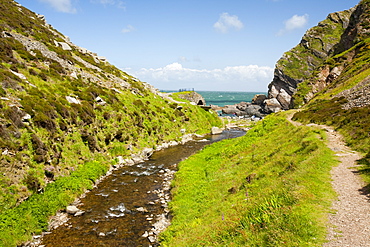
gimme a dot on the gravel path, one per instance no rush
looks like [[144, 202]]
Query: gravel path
[[350, 220]]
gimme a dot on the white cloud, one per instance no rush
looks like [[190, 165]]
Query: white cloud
[[236, 78], [61, 5], [128, 29], [295, 22], [227, 22]]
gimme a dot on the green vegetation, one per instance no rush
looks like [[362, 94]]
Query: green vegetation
[[353, 124], [328, 109], [268, 188], [52, 150], [62, 137], [315, 48], [31, 217]]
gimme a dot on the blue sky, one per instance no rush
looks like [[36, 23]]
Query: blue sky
[[223, 45]]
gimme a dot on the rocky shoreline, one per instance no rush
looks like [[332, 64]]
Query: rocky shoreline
[[259, 107]]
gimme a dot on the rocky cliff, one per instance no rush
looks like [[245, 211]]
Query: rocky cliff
[[337, 92], [65, 111], [324, 52]]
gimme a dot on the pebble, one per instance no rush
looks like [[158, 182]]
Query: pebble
[[152, 239], [145, 235], [142, 209], [79, 213]]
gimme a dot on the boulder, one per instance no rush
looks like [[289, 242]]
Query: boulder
[[230, 109], [284, 99], [186, 138], [253, 110], [147, 152], [73, 100], [216, 131], [120, 160], [72, 210], [173, 143], [23, 77], [137, 158], [258, 99], [100, 101], [193, 97], [272, 105], [242, 106], [65, 46]]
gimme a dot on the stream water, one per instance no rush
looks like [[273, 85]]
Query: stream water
[[123, 208]]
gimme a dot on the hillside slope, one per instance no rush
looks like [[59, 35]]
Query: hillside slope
[[333, 88], [236, 193], [328, 55], [64, 110], [343, 100]]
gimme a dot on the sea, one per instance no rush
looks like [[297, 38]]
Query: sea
[[222, 98]]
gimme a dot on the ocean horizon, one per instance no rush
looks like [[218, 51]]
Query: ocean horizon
[[222, 98]]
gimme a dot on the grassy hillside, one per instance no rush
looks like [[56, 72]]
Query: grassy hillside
[[268, 188], [344, 103], [272, 186], [65, 117], [336, 91]]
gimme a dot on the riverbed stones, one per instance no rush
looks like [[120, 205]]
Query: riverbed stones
[[79, 213], [216, 131], [72, 209], [186, 138], [142, 209], [145, 235], [146, 153]]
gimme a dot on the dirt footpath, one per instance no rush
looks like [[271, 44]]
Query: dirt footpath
[[350, 220]]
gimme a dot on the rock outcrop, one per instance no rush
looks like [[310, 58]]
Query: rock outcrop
[[193, 97], [317, 45], [244, 109]]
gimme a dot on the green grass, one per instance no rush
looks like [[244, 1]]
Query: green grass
[[31, 217], [268, 188], [353, 124], [61, 138]]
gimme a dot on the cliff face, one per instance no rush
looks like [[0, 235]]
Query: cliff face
[[62, 107], [318, 61]]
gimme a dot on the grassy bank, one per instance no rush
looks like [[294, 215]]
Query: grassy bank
[[268, 188], [64, 118], [76, 146], [31, 217], [353, 124]]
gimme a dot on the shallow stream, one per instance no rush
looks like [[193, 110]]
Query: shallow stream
[[123, 208]]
